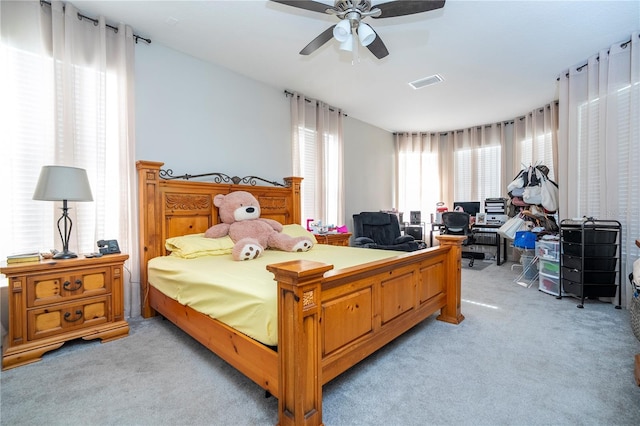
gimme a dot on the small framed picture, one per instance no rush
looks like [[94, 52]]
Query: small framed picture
[[481, 219]]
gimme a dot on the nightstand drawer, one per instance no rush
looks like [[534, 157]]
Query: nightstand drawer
[[52, 320], [56, 288]]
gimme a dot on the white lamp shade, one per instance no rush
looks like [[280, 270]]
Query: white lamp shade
[[59, 183], [366, 34], [347, 44], [342, 30]]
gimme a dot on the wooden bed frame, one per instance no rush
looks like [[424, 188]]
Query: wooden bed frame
[[328, 320]]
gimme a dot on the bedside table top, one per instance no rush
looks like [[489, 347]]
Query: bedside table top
[[50, 264]]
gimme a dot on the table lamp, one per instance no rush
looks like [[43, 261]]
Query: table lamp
[[61, 183]]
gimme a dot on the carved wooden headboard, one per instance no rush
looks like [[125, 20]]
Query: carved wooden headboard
[[173, 207]]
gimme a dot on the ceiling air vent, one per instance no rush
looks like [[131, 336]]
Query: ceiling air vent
[[427, 81]]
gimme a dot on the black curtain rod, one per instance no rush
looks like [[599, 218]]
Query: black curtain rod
[[445, 133], [622, 45], [501, 123], [288, 93], [136, 37]]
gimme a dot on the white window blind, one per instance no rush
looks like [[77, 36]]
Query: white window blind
[[477, 173], [27, 135], [331, 178], [309, 163], [588, 172], [320, 176], [535, 151]]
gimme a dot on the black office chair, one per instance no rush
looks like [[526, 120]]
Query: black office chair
[[380, 230], [459, 223]]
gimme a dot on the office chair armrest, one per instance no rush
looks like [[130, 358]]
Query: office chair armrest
[[403, 239], [361, 241]]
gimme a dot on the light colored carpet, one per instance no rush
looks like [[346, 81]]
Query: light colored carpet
[[521, 357], [478, 264]]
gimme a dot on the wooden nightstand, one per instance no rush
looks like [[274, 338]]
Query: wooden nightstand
[[54, 301], [333, 239]]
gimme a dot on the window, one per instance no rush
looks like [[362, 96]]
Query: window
[[28, 113], [308, 170], [317, 158], [477, 173], [332, 173], [591, 172], [539, 148], [534, 137], [418, 181], [26, 122]]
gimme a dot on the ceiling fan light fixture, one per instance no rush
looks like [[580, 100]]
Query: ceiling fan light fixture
[[366, 34], [342, 30], [347, 44], [351, 12]]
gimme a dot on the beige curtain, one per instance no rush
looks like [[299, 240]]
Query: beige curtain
[[317, 145], [599, 142], [474, 163], [86, 93], [536, 139], [419, 186]]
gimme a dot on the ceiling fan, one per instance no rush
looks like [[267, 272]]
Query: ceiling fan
[[351, 27]]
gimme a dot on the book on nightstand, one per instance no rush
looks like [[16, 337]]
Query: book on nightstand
[[24, 257]]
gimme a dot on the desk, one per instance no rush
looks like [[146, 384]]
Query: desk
[[488, 237]]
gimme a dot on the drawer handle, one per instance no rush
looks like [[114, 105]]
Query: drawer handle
[[68, 314], [67, 285]]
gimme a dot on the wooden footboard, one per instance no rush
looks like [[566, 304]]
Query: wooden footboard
[[331, 320], [328, 320]]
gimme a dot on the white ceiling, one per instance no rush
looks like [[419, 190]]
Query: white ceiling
[[499, 59]]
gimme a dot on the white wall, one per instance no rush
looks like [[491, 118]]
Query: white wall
[[369, 168], [197, 117]]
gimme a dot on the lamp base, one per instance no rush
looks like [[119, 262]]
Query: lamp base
[[65, 255]]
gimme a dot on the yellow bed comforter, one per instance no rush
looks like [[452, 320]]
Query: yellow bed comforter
[[242, 294]]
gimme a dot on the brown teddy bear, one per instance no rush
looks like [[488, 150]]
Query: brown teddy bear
[[240, 215]]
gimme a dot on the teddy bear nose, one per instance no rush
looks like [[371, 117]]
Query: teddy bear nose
[[250, 209]]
